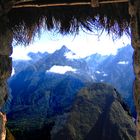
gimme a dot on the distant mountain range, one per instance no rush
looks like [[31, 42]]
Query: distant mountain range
[[39, 93], [116, 70]]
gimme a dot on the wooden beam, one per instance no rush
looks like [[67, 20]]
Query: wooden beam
[[50, 5], [113, 1], [24, 4]]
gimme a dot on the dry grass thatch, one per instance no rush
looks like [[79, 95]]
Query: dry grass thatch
[[27, 22]]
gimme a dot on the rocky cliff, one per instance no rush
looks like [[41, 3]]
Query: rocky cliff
[[97, 113], [6, 38]]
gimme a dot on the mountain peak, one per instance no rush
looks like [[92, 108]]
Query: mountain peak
[[64, 49]]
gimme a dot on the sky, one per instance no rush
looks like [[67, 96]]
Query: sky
[[83, 44]]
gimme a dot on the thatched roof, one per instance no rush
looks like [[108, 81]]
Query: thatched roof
[[25, 22]]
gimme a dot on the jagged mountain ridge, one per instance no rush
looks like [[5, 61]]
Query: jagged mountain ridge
[[46, 61], [43, 88], [95, 68], [118, 71], [97, 113], [40, 100], [36, 91]]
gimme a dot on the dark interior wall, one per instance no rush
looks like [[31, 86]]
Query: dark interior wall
[[134, 10], [6, 38]]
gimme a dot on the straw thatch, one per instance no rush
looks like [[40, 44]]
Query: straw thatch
[[27, 22]]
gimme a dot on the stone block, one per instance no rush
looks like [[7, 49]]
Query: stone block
[[5, 67]]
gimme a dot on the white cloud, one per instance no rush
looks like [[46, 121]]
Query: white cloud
[[71, 55], [123, 62], [13, 72], [93, 78], [21, 53], [82, 45], [61, 69], [98, 72], [105, 74]]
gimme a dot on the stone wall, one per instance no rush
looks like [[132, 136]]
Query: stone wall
[[6, 61], [134, 10], [2, 126], [5, 68]]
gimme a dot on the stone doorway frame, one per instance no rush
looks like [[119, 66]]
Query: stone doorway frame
[[6, 61]]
